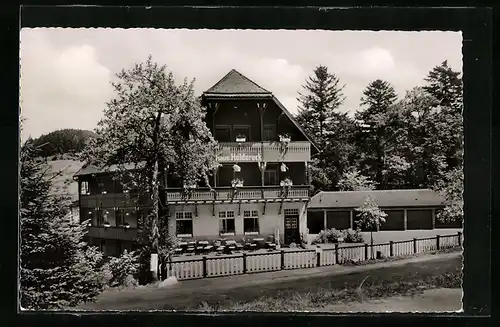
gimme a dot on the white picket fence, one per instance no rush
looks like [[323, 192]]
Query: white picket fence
[[299, 259]]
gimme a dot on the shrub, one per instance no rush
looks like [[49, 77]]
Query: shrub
[[329, 236], [121, 270], [353, 236]]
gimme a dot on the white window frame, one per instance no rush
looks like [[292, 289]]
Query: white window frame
[[224, 216], [251, 214], [184, 215], [84, 185]]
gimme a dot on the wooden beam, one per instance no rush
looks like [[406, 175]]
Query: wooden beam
[[264, 211]]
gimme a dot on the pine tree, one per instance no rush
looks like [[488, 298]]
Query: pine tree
[[157, 127], [375, 120], [445, 85], [58, 269], [321, 97]]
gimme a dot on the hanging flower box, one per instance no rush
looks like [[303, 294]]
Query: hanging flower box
[[237, 183], [241, 138], [285, 138], [236, 168], [106, 224], [283, 167], [190, 185], [287, 182]]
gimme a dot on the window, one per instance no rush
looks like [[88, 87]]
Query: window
[[184, 223], [395, 220], [119, 248], [120, 219], [270, 177], [84, 188], [241, 130], [101, 216], [269, 133], [223, 133], [226, 219], [419, 219], [338, 219], [315, 221], [251, 221], [102, 245]]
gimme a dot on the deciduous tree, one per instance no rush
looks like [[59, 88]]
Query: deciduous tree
[[370, 217], [154, 128]]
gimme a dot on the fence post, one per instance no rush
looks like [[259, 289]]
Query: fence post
[[318, 259], [244, 263], [460, 239], [204, 267], [336, 253], [391, 248], [366, 251], [414, 245], [282, 259], [437, 242]]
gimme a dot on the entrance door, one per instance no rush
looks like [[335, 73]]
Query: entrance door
[[292, 234]]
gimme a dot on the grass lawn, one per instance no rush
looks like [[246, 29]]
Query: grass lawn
[[318, 289]]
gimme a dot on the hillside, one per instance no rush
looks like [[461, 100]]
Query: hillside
[[63, 141], [64, 184]]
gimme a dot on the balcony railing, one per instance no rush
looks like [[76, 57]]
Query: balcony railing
[[243, 193], [264, 151], [112, 233]]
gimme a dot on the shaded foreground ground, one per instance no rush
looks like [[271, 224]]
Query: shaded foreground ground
[[306, 289]]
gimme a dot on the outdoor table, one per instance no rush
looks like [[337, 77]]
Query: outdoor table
[[208, 248], [204, 243], [178, 251], [239, 247], [220, 249], [199, 249], [253, 246], [272, 246], [183, 245]]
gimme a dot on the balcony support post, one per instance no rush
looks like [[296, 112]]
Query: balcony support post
[[264, 211], [281, 206], [215, 107], [213, 209], [239, 208]]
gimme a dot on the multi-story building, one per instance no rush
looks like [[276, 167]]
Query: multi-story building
[[261, 186]]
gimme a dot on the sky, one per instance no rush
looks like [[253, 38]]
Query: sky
[[66, 73]]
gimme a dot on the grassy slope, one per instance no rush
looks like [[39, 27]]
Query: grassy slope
[[64, 182]]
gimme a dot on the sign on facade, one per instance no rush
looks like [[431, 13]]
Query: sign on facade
[[239, 157]]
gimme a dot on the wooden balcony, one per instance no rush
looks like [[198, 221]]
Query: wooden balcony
[[244, 194], [110, 200], [112, 233], [264, 151]]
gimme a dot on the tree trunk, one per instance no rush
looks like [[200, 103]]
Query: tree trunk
[[371, 244], [156, 212]]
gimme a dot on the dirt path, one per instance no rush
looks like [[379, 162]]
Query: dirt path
[[189, 294]]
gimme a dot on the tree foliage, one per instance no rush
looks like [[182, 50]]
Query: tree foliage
[[63, 141], [153, 128], [370, 217], [354, 181], [58, 269]]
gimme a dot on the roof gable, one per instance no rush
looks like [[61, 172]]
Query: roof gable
[[383, 198], [236, 83]]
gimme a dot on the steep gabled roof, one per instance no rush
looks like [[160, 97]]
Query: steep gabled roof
[[383, 198], [235, 83]]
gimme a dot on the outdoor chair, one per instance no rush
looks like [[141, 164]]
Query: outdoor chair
[[253, 247], [183, 246], [199, 249], [178, 251], [239, 247], [190, 250], [272, 247]]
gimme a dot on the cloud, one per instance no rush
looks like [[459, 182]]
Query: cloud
[[60, 88], [375, 61]]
